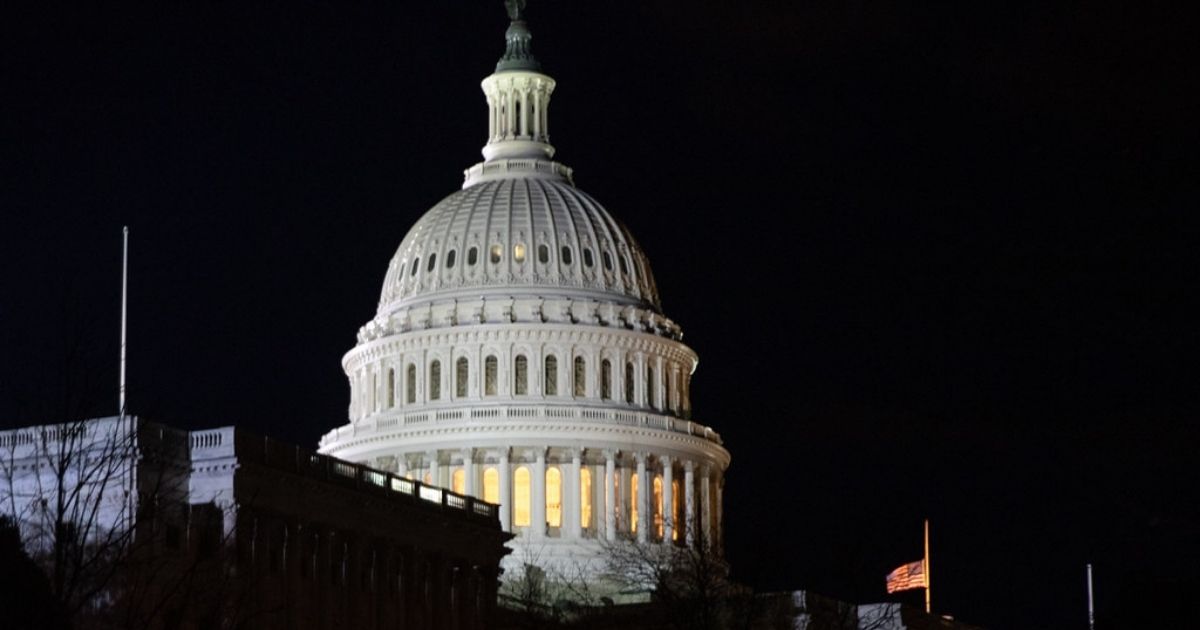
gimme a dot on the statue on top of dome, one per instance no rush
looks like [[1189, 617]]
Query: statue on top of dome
[[514, 8]]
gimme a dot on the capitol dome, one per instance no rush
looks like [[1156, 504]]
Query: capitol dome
[[517, 230], [520, 355]]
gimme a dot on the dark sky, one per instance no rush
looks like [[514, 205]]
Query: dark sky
[[936, 261]]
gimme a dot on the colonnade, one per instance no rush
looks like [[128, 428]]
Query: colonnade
[[584, 493]]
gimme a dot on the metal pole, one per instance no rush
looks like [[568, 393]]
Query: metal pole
[[124, 298], [1091, 606], [928, 582]]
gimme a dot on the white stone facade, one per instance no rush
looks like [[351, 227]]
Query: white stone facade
[[520, 354]]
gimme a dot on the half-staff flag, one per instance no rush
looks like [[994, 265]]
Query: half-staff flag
[[907, 576]]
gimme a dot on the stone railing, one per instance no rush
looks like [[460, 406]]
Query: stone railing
[[252, 449], [537, 413]]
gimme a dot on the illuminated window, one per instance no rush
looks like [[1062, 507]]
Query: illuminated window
[[416, 265], [489, 375], [521, 375], [428, 479], [606, 379], [580, 377], [450, 255], [521, 497], [675, 503], [656, 499], [391, 388], [585, 497], [519, 252], [587, 257], [607, 260], [551, 384], [410, 384], [649, 386], [497, 251], [472, 256], [633, 502], [553, 497], [432, 262], [491, 485], [435, 380], [566, 255], [458, 483], [543, 254], [629, 382], [462, 372]]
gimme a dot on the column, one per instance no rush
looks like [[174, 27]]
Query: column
[[537, 525], [689, 501], [505, 492], [645, 518], [706, 506], [573, 517], [610, 497], [431, 468], [719, 534], [469, 471], [668, 477], [525, 113], [537, 114]]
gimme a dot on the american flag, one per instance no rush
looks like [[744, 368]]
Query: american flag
[[907, 576]]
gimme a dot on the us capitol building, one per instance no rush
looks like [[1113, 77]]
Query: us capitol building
[[520, 354]]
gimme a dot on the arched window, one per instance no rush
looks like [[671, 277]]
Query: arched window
[[620, 259], [432, 262], [519, 252], [629, 382], [491, 485], [580, 377], [462, 372], [458, 483], [521, 375], [553, 497], [607, 259], [657, 506], [496, 252], [521, 497], [472, 256], [633, 502], [410, 384], [585, 497], [650, 387], [391, 388], [587, 257], [566, 255], [435, 380], [606, 379], [489, 375], [551, 381], [450, 255], [416, 265], [676, 499], [543, 254]]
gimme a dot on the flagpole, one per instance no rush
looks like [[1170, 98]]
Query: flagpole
[[1091, 607], [124, 300], [928, 582]]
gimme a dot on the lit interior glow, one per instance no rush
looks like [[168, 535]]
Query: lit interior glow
[[585, 497], [553, 497], [459, 482], [491, 485], [521, 497], [519, 252], [633, 502]]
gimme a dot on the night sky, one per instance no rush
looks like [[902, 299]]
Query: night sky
[[936, 262]]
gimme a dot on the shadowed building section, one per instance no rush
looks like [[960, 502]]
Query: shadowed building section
[[219, 527]]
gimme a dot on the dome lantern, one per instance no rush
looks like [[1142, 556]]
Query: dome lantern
[[518, 97]]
